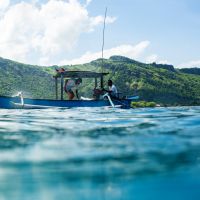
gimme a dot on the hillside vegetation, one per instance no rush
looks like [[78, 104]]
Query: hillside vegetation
[[34, 81], [155, 82]]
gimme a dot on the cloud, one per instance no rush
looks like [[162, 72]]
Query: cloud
[[195, 63], [163, 62], [88, 2], [4, 4], [131, 51], [40, 34], [100, 19], [155, 58], [152, 58]]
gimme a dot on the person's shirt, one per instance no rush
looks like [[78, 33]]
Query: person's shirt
[[71, 83], [113, 90]]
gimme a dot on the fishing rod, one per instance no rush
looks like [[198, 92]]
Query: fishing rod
[[104, 27]]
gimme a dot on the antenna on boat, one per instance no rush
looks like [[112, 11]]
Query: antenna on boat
[[104, 26]]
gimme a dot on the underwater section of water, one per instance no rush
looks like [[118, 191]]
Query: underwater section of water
[[100, 153]]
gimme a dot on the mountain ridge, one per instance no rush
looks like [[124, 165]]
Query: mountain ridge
[[163, 84]]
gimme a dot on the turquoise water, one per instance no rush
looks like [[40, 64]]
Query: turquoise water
[[100, 153]]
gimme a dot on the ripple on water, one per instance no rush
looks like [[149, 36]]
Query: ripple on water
[[99, 144]]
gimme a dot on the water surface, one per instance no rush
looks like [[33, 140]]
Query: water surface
[[100, 153]]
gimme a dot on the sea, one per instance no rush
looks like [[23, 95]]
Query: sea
[[100, 153]]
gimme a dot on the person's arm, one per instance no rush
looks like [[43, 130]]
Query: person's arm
[[65, 86], [77, 95], [106, 90]]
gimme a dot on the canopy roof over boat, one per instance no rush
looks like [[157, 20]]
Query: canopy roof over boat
[[76, 74], [79, 74]]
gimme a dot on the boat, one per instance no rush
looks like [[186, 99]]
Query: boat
[[19, 102]]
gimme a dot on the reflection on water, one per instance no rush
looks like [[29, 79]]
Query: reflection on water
[[100, 153]]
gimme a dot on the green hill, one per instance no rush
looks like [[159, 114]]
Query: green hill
[[34, 81], [155, 82], [191, 70]]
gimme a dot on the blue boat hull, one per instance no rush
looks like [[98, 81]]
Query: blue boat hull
[[15, 102]]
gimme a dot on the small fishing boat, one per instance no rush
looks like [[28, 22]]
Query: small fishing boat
[[19, 102]]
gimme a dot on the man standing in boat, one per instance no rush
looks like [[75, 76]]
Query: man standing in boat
[[71, 84]]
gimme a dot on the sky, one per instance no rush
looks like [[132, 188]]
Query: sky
[[60, 32]]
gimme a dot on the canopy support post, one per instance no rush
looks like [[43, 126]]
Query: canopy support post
[[56, 87], [62, 85], [95, 83], [101, 82]]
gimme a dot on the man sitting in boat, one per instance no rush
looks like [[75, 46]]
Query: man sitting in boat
[[71, 84], [112, 90]]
